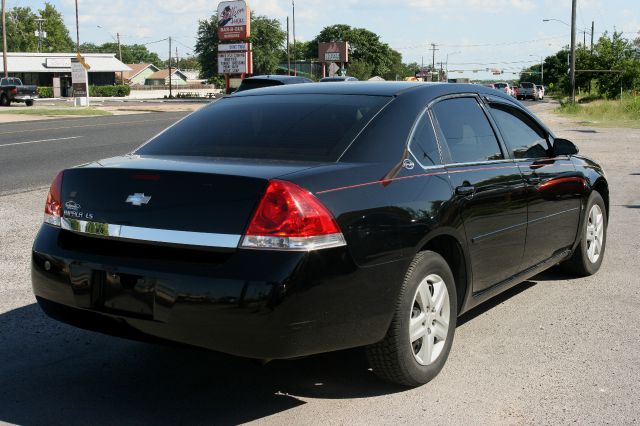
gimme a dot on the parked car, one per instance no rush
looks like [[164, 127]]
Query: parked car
[[503, 87], [308, 218], [259, 81], [527, 91], [12, 90], [540, 90], [338, 78]]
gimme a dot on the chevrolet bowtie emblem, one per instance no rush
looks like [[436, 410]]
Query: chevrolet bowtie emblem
[[138, 199]]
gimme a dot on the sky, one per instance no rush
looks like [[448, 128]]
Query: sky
[[470, 35]]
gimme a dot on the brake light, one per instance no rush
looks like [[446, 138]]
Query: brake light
[[291, 218], [14, 91], [53, 206]]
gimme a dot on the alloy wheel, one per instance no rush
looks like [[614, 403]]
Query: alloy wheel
[[595, 233], [429, 321]]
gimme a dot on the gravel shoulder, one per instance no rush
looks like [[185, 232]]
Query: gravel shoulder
[[553, 350]]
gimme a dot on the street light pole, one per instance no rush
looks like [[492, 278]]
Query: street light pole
[[572, 69], [295, 65]]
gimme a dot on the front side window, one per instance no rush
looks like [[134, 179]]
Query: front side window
[[466, 131], [423, 142], [523, 138]]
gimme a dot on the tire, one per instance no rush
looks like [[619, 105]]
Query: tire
[[584, 261], [29, 103], [4, 101], [396, 358]]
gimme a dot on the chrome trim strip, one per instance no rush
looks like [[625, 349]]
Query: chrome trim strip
[[125, 232]]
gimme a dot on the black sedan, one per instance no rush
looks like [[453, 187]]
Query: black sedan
[[289, 221]]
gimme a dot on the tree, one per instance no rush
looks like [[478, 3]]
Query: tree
[[131, 53], [57, 39], [207, 48], [360, 69], [267, 38], [618, 54], [364, 46], [21, 28]]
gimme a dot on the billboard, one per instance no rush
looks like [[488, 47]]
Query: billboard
[[234, 63], [337, 51], [234, 20]]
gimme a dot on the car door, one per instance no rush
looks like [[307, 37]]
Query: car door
[[554, 188], [489, 190]]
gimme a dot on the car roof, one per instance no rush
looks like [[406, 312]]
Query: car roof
[[370, 88], [285, 79]]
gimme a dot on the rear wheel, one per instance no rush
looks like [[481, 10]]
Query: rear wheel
[[29, 103], [4, 101], [421, 333], [588, 256]]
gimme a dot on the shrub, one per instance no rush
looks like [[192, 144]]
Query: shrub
[[45, 92], [110, 91]]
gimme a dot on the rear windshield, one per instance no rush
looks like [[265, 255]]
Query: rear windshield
[[285, 127], [500, 85], [526, 85], [256, 84]]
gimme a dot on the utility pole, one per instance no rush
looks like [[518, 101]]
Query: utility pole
[[295, 64], [572, 69], [592, 24], [288, 52], [120, 55], [433, 59], [177, 59], [77, 29], [170, 82], [4, 40], [542, 71]]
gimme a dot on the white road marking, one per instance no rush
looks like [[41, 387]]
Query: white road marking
[[41, 140]]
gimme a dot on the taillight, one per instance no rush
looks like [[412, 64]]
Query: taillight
[[14, 91], [291, 218], [53, 206]]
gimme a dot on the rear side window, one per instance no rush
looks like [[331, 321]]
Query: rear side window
[[286, 127], [467, 131], [523, 137], [423, 143]]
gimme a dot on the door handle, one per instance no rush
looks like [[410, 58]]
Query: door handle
[[465, 190], [533, 180]]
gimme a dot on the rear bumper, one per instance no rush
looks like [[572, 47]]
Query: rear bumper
[[257, 304], [22, 98]]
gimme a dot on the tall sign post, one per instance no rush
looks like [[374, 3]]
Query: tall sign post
[[234, 25], [80, 80], [333, 53]]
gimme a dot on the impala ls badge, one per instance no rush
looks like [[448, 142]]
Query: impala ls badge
[[138, 199]]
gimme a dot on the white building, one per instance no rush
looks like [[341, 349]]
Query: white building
[[54, 69]]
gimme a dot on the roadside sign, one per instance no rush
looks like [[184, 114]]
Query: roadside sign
[[337, 51], [333, 69], [234, 63], [234, 20], [234, 47], [79, 82], [81, 59]]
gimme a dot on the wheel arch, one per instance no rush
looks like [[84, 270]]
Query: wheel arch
[[602, 187], [454, 253]]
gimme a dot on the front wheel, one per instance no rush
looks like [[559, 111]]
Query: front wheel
[[588, 255], [420, 336]]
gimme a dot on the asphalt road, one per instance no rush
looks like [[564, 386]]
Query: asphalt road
[[31, 153], [553, 350]]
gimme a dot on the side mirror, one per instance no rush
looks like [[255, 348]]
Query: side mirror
[[564, 147]]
